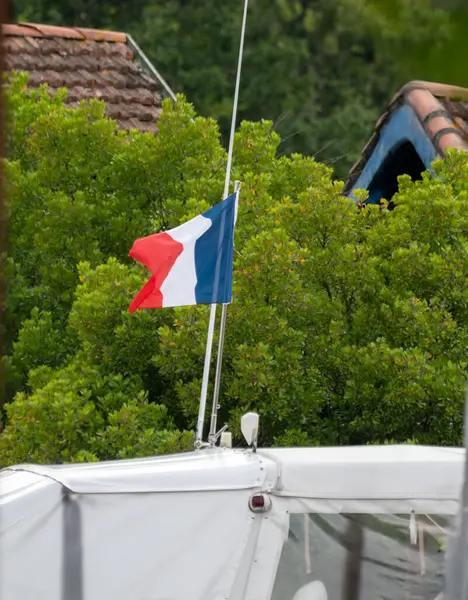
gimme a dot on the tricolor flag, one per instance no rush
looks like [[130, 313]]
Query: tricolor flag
[[191, 264]]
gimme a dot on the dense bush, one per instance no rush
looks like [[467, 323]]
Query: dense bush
[[348, 325]]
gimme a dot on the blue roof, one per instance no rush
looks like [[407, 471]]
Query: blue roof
[[404, 126], [421, 122]]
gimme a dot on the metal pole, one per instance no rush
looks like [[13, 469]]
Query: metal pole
[[219, 366], [206, 376], [211, 324], [464, 516], [236, 100], [455, 571]]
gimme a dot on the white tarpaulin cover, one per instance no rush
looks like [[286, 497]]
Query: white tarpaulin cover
[[178, 527], [155, 529], [371, 472]]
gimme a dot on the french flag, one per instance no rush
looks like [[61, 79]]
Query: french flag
[[191, 264]]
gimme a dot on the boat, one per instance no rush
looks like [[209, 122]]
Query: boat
[[341, 523]]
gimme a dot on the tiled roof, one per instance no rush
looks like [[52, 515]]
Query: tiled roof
[[441, 109], [105, 65]]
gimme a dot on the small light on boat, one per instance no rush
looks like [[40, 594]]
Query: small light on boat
[[260, 503]]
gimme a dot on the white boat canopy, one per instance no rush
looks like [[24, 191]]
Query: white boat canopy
[[366, 472], [276, 524]]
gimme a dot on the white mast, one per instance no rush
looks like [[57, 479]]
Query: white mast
[[213, 435], [212, 321], [456, 573]]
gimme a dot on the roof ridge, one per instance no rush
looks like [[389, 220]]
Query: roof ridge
[[441, 90], [55, 31]]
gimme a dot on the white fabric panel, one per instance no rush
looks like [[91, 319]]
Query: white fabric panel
[[163, 546], [192, 471], [30, 539], [356, 473], [14, 484], [367, 472], [178, 288], [273, 534], [441, 506]]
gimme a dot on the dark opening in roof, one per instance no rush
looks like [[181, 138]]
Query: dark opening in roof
[[400, 161], [438, 111]]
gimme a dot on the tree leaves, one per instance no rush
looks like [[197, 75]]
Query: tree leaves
[[349, 324]]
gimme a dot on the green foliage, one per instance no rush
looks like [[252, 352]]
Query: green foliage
[[83, 13], [321, 71], [78, 414], [348, 325], [80, 192]]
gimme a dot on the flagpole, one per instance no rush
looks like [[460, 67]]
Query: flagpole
[[456, 576], [212, 321], [219, 365]]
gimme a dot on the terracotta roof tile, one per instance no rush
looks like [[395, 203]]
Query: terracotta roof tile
[[52, 31], [55, 31], [100, 36], [19, 29], [442, 110], [148, 126], [90, 64]]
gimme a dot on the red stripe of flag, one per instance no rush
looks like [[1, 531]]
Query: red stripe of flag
[[158, 252]]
